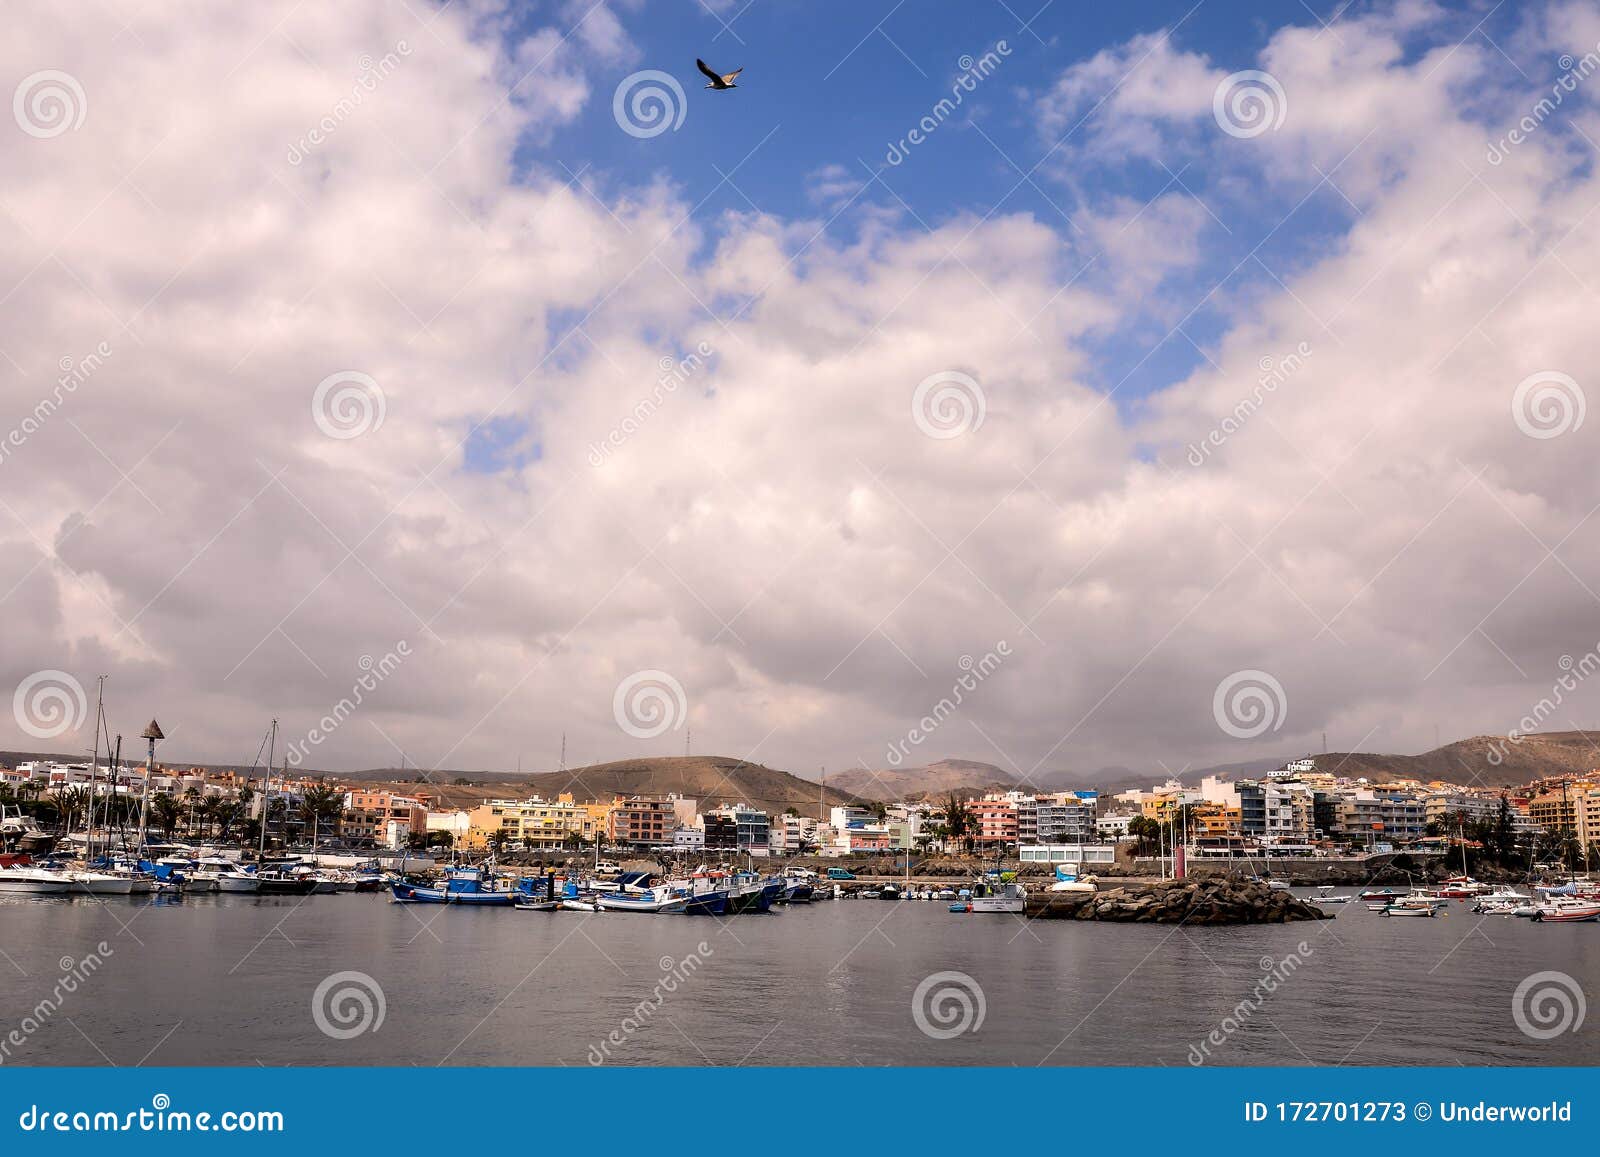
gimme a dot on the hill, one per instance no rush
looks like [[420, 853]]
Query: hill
[[947, 775], [1486, 760], [712, 780]]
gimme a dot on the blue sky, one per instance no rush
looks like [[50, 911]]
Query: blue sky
[[891, 64]]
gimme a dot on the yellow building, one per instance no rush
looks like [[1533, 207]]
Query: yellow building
[[1160, 807], [1213, 819], [536, 824]]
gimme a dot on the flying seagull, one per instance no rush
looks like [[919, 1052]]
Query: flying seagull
[[718, 80]]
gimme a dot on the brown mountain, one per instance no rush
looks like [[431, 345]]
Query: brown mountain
[[712, 780], [1483, 760], [963, 776]]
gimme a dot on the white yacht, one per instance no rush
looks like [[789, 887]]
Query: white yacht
[[31, 881], [216, 874]]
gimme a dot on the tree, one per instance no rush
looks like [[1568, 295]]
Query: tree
[[166, 811], [1147, 831], [227, 815], [71, 802], [958, 821], [323, 806]]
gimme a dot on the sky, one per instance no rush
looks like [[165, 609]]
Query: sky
[[1058, 386]]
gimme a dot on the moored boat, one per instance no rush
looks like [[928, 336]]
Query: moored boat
[[1009, 897], [1567, 911], [472, 887], [660, 898], [1411, 906], [31, 881]]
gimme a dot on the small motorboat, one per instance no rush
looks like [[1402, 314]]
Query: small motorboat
[[1068, 880], [658, 899], [583, 904], [1411, 906], [529, 904], [285, 884], [1387, 895], [1567, 911]]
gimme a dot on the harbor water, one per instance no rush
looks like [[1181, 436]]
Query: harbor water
[[353, 979]]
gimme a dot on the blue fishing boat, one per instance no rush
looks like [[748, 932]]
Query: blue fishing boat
[[705, 894], [470, 886], [661, 898], [750, 893], [713, 903]]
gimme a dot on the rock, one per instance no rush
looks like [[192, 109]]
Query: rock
[[1212, 900]]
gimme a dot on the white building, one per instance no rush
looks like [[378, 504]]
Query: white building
[[689, 839]]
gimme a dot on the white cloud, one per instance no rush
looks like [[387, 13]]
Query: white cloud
[[776, 532]]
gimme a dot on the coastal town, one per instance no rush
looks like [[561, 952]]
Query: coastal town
[[1298, 811]]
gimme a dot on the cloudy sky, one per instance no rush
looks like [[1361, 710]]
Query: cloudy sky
[[1170, 385]]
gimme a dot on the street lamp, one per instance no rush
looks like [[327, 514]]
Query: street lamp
[[151, 734]]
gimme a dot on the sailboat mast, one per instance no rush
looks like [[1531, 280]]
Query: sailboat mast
[[266, 790], [94, 766]]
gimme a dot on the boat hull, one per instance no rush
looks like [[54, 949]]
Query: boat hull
[[707, 904], [412, 894], [109, 886], [286, 887], [640, 904], [1011, 904], [1573, 915], [30, 886]]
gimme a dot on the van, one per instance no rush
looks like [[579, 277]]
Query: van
[[840, 874]]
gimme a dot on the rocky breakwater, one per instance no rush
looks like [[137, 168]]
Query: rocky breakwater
[[1209, 900]]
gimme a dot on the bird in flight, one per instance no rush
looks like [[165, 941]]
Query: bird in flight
[[718, 80]]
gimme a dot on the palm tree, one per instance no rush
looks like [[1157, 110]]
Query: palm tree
[[166, 811], [191, 797], [323, 806], [70, 802]]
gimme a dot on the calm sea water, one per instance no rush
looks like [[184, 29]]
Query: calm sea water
[[235, 981]]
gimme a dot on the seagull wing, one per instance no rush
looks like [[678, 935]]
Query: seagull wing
[[727, 77], [705, 68]]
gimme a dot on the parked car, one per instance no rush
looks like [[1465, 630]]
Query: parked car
[[840, 874]]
